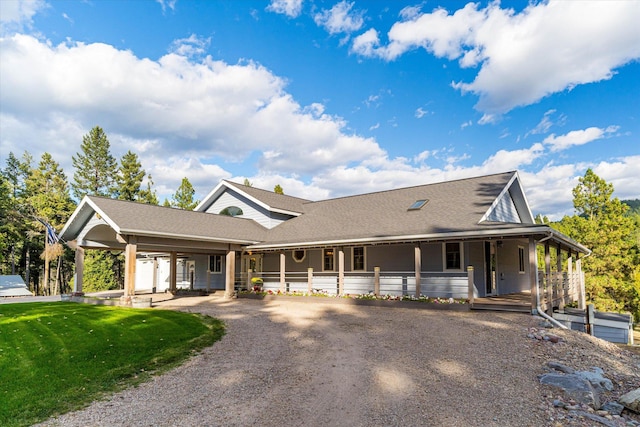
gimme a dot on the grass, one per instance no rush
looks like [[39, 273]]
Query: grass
[[57, 357]]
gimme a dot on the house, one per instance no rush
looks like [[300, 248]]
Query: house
[[472, 237]]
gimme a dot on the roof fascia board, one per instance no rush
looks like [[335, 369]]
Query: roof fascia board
[[501, 232], [504, 191], [213, 194], [260, 202], [186, 237], [104, 216], [524, 198], [85, 204]]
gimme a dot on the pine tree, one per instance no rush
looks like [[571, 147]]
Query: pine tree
[[183, 198], [149, 195], [49, 199], [130, 176], [96, 168], [278, 189], [602, 226]]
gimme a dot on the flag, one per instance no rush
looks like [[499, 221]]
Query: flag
[[52, 236]]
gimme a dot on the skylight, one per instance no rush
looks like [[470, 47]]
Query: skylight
[[418, 204]]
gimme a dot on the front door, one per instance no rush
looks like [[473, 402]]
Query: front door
[[491, 261]]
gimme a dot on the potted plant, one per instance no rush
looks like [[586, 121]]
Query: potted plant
[[256, 282]]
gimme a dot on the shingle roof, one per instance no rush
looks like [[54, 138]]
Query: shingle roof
[[143, 219], [452, 206], [273, 200]]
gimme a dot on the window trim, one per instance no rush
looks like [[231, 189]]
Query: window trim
[[444, 256], [333, 262], [209, 265], [522, 264], [293, 255], [364, 258]]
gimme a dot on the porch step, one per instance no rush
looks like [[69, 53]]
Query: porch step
[[519, 308]]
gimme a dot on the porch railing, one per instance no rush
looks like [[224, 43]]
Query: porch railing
[[559, 289], [396, 283]]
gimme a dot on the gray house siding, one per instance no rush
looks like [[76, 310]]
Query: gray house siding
[[510, 279], [250, 209]]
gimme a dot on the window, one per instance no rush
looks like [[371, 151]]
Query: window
[[521, 263], [418, 204], [299, 255], [215, 263], [231, 211], [328, 259], [453, 256], [358, 263]]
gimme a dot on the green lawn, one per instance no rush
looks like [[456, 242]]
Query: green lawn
[[56, 357]]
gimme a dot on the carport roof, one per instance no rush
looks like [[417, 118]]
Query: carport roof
[[139, 219]]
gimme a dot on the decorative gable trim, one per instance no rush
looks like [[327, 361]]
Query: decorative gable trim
[[511, 205]]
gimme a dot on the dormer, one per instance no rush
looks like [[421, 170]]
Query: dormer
[[265, 207]]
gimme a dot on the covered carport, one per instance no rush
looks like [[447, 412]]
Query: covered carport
[[115, 225]]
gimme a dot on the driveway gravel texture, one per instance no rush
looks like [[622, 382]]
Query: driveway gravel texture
[[296, 363]]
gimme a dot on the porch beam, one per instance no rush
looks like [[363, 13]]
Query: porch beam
[[230, 269], [79, 273], [418, 267], [130, 267]]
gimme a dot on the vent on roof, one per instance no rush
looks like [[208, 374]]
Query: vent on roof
[[418, 204]]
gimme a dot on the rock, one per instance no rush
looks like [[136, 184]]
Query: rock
[[561, 368], [613, 408], [554, 338], [559, 403], [596, 379], [574, 386], [597, 418], [631, 400]]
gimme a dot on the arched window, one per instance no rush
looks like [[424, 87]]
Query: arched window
[[231, 211]]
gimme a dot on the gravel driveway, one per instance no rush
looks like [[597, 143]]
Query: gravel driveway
[[293, 363]]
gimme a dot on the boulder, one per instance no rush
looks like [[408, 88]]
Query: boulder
[[631, 400], [574, 386]]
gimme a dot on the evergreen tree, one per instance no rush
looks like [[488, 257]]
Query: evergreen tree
[[149, 195], [130, 176], [278, 189], [602, 226], [100, 268], [247, 182], [96, 168], [14, 224], [49, 199], [183, 198]]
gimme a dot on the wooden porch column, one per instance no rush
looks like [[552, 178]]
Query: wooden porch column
[[376, 281], [471, 288], [283, 268], [154, 288], [582, 303], [249, 277], [173, 270], [418, 268], [77, 276], [533, 273], [309, 279], [230, 270], [562, 288], [130, 267], [340, 271], [549, 282]]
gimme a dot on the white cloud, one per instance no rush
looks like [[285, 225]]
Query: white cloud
[[340, 18], [16, 14], [171, 4], [52, 95], [420, 112], [291, 8], [549, 47], [578, 137], [191, 47]]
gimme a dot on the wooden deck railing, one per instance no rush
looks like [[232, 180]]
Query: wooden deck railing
[[559, 289]]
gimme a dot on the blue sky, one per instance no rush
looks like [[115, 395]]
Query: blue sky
[[330, 98]]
